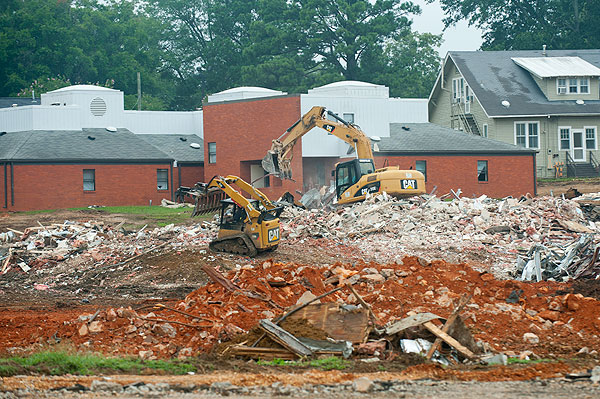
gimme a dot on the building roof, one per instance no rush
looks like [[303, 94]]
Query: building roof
[[83, 88], [7, 102], [431, 138], [552, 67], [178, 146], [494, 77], [87, 145]]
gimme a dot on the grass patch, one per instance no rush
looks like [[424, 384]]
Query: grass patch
[[516, 360], [59, 363], [568, 179], [328, 363]]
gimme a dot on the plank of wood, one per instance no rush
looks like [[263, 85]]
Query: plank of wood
[[7, 261], [219, 278], [410, 321], [438, 341], [448, 339], [15, 231], [284, 338], [362, 302]]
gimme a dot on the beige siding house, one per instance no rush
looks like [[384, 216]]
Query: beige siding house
[[548, 101]]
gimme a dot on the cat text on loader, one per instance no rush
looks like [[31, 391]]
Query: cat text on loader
[[246, 225], [353, 179]]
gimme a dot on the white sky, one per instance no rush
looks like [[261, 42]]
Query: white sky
[[456, 38]]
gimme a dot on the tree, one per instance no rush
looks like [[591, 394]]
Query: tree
[[529, 24], [341, 32]]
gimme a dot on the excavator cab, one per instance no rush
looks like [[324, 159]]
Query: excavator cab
[[350, 172]]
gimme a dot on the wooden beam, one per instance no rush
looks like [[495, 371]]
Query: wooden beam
[[284, 338], [438, 341], [447, 339]]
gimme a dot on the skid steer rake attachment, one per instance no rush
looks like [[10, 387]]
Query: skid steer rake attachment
[[207, 200]]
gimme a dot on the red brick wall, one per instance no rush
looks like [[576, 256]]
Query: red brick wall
[[507, 175], [243, 131], [61, 186], [190, 175]]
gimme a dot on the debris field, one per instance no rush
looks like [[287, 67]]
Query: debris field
[[522, 269]]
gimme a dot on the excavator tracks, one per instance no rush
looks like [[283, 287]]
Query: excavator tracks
[[236, 244]]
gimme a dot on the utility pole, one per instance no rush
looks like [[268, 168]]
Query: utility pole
[[139, 85]]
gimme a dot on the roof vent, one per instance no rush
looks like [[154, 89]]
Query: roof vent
[[405, 128], [98, 107], [2, 133], [580, 101], [505, 103], [182, 139], [111, 129], [375, 138], [91, 138], [14, 105], [195, 145]]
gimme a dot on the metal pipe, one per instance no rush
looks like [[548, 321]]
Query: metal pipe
[[5, 187], [171, 168], [12, 186]]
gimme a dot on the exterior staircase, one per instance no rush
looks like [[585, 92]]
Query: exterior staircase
[[582, 169]]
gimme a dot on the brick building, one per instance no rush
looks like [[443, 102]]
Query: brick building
[[61, 169]]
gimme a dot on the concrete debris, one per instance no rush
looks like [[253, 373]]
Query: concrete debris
[[506, 233]]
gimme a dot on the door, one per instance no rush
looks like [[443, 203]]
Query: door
[[578, 151]]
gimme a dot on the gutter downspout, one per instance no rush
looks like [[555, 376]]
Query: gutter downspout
[[12, 185], [5, 187], [171, 168], [534, 175]]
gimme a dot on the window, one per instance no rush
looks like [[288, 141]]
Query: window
[[590, 138], [421, 166], [561, 86], [458, 89], [485, 130], [482, 170], [584, 86], [212, 152], [527, 134], [162, 179], [573, 85], [564, 138], [89, 180], [349, 117]]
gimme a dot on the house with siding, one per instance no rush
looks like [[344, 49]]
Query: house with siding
[[548, 101]]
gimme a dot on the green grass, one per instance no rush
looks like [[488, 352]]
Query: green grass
[[516, 360], [565, 179], [328, 363], [59, 363]]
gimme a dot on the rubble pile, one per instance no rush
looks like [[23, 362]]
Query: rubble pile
[[482, 230], [93, 243], [542, 322]]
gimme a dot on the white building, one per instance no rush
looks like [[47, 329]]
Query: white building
[[86, 106]]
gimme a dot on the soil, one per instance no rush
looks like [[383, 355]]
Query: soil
[[556, 188], [32, 319]]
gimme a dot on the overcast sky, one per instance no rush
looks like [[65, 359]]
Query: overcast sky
[[459, 37]]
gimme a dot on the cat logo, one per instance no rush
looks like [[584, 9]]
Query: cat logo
[[274, 234], [329, 128], [409, 184]]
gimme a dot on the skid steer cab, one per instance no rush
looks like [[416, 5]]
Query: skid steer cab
[[246, 234]]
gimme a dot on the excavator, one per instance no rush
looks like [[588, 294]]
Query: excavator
[[354, 179], [247, 226]]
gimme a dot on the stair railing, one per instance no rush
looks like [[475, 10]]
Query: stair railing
[[570, 164], [594, 162]]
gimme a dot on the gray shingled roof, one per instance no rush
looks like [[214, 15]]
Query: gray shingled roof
[[76, 145], [177, 146], [7, 102], [494, 77], [422, 138]]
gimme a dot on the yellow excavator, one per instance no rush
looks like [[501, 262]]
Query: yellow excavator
[[353, 179], [246, 225]]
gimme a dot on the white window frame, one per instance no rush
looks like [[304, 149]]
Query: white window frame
[[89, 181], [212, 152], [567, 86], [458, 89], [560, 138], [527, 136], [348, 117], [585, 131], [485, 130]]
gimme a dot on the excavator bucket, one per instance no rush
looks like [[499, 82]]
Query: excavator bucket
[[270, 163]]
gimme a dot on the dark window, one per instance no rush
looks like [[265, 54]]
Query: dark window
[[89, 180], [349, 117], [212, 152], [421, 166], [162, 179], [482, 170]]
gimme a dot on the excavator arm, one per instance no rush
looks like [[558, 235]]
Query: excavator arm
[[279, 157]]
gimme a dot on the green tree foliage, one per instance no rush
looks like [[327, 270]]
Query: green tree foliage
[[529, 24], [82, 40]]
